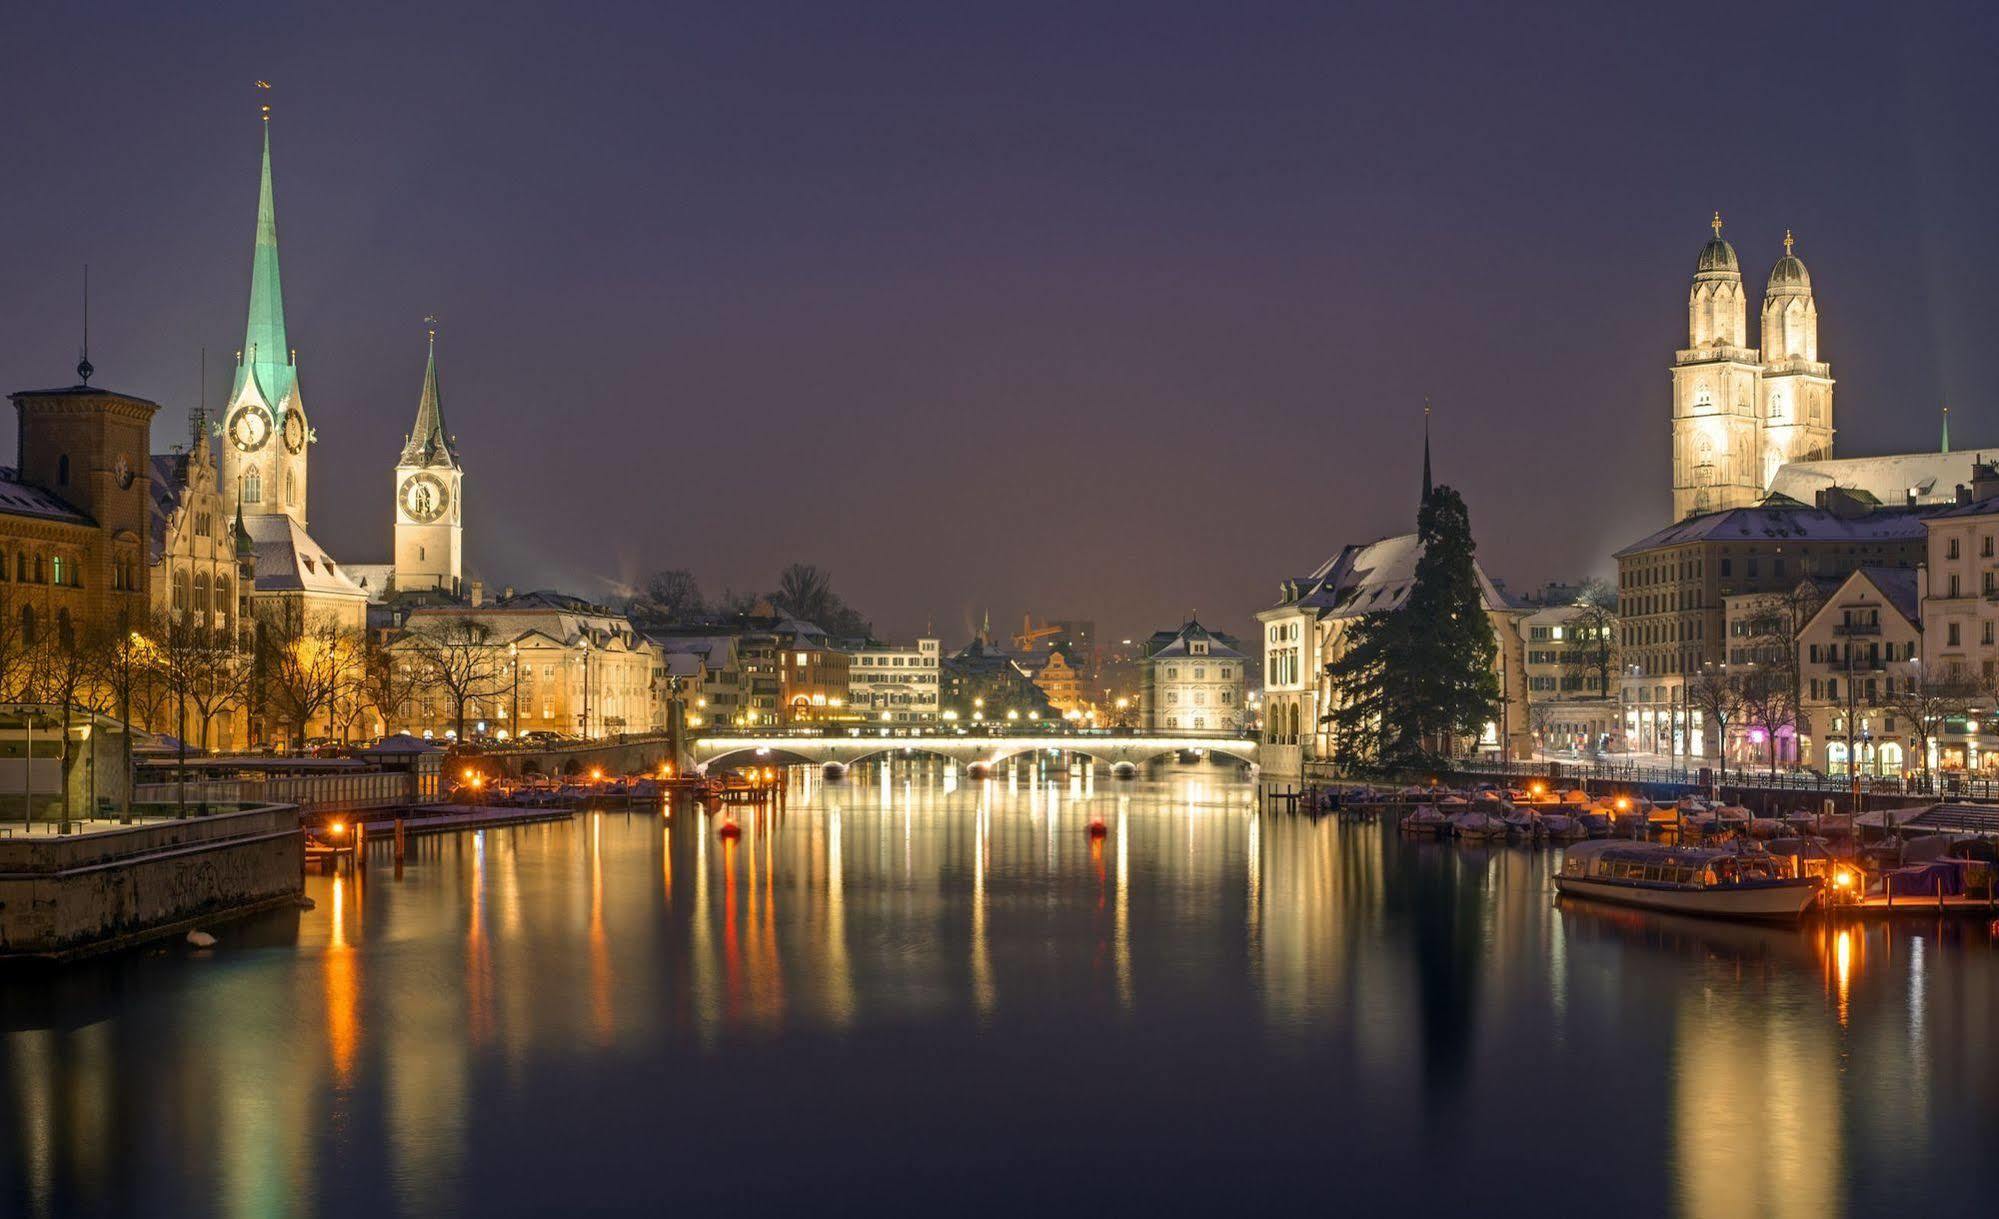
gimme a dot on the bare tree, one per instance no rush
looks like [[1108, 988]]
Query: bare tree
[[805, 590], [62, 672], [1593, 634], [458, 658], [1926, 702], [669, 596], [307, 668], [218, 680], [1767, 705], [390, 681], [1716, 693], [121, 661]]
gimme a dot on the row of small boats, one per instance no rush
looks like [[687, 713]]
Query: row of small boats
[[1489, 813]]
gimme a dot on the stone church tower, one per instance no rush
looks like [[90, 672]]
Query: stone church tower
[[429, 528], [264, 429], [1797, 388], [1739, 414]]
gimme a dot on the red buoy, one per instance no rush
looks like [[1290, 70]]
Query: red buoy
[[730, 829], [1097, 827]]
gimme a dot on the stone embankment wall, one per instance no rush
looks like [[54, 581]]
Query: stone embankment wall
[[68, 895]]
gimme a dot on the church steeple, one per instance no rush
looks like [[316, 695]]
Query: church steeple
[[266, 355], [1426, 452], [429, 443]]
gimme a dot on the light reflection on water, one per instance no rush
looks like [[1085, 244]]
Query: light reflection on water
[[956, 978]]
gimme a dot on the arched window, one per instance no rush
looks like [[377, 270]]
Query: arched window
[[28, 625], [1777, 406], [201, 602], [1703, 397], [291, 490], [253, 487], [62, 470], [180, 592], [223, 604], [63, 631]]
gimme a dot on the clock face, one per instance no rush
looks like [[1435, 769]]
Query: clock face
[[295, 434], [250, 428], [424, 497]]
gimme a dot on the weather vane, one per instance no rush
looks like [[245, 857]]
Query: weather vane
[[265, 108]]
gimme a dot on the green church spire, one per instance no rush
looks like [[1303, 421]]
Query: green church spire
[[266, 356]]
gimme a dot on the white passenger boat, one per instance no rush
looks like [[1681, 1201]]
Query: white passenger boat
[[1686, 880]]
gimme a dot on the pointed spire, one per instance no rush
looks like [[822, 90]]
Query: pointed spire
[[1946, 429], [83, 368], [1426, 451], [265, 350], [244, 547], [429, 444]]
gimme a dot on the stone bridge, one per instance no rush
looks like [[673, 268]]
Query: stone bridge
[[972, 749]]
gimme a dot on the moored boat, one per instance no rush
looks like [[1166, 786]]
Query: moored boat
[[1425, 822], [1686, 880], [1477, 826]]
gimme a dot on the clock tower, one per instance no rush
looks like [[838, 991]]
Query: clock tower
[[265, 433], [429, 527]]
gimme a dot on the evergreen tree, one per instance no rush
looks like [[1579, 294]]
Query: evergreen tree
[[1411, 681]]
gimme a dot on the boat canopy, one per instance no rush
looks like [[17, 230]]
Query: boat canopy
[[1617, 851]]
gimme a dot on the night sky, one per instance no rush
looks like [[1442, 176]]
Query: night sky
[[1107, 311]]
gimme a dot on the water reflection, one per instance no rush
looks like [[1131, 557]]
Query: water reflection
[[903, 959]]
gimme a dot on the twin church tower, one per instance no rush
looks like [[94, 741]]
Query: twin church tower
[[1741, 414], [266, 445]]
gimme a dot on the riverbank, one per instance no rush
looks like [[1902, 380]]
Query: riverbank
[[112, 886]]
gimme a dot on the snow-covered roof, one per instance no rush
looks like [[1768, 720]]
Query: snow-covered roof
[[1180, 643], [1787, 524], [1931, 477], [373, 578], [1897, 586], [288, 560], [1373, 577], [24, 499]]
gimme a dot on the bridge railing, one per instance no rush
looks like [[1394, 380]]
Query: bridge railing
[[982, 731]]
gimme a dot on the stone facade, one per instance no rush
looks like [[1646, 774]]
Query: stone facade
[[896, 684], [1740, 413], [1191, 681]]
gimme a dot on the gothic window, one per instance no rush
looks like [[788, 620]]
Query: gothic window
[[222, 604], [201, 601], [180, 592], [1777, 406], [65, 634], [28, 625], [62, 470], [1703, 398], [253, 487], [291, 490]]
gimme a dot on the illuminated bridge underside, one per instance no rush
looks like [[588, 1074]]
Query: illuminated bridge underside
[[965, 750]]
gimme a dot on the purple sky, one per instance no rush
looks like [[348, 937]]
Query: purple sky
[[1101, 311]]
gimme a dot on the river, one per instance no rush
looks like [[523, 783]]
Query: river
[[912, 991]]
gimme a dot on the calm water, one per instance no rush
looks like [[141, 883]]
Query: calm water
[[917, 993]]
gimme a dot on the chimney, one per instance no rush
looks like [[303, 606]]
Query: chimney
[[1963, 494], [1984, 480], [478, 594]]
